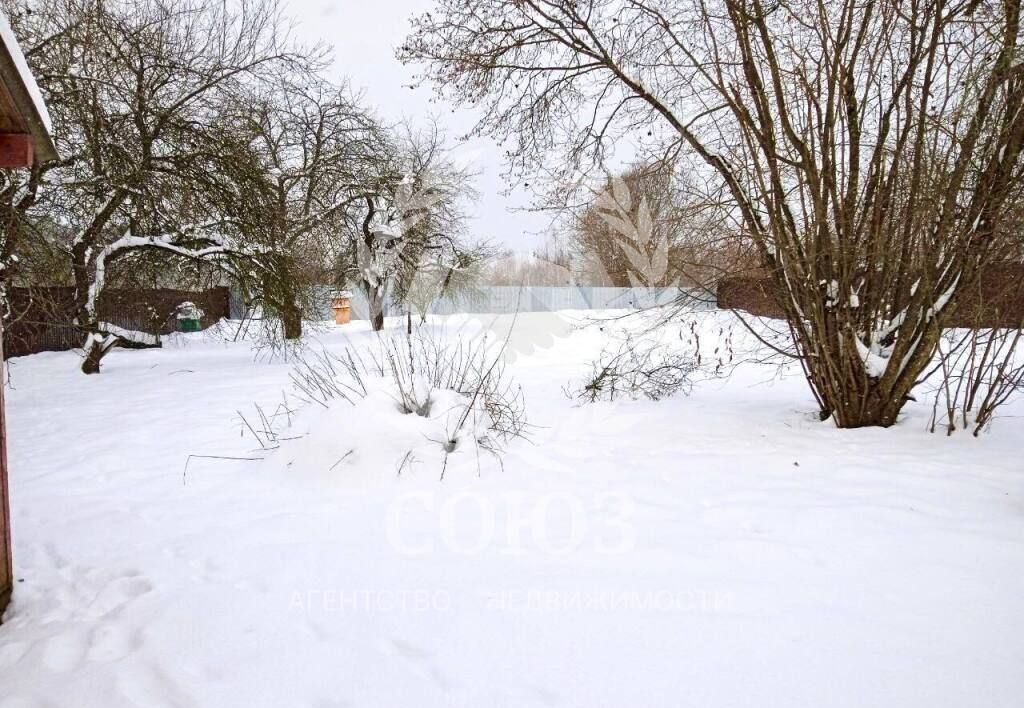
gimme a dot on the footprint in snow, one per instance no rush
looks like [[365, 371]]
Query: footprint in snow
[[65, 651], [112, 641], [118, 593], [420, 660]]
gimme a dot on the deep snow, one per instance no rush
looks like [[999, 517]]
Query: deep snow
[[720, 549]]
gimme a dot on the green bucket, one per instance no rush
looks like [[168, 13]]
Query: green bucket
[[185, 325]]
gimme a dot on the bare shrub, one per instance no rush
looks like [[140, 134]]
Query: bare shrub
[[638, 369], [979, 370], [421, 367], [267, 428], [663, 353]]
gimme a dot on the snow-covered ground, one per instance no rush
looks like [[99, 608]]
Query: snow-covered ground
[[720, 549]]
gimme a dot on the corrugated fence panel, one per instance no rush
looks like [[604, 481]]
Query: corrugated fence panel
[[509, 299]]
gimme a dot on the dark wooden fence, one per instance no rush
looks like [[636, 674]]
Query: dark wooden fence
[[997, 300], [42, 319]]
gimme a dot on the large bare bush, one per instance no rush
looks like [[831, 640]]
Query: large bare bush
[[869, 150]]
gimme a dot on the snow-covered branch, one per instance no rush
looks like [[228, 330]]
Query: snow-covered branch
[[220, 246]]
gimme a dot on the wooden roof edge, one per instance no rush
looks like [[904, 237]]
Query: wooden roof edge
[[26, 96]]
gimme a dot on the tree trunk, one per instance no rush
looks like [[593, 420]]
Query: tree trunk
[[98, 345], [291, 320], [91, 362], [872, 406], [83, 318], [846, 390], [375, 299], [94, 353]]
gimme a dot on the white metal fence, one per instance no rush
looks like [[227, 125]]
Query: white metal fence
[[510, 299]]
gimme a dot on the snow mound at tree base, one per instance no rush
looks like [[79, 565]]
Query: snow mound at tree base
[[375, 439]]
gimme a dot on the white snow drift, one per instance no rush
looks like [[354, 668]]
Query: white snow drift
[[720, 549]]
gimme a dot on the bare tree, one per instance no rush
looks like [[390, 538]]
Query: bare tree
[[411, 212], [629, 227], [867, 149], [317, 150], [649, 228], [550, 264], [452, 271]]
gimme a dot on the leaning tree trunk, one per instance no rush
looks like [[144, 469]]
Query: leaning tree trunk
[[85, 319], [94, 353]]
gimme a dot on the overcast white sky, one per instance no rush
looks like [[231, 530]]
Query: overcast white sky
[[363, 35]]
